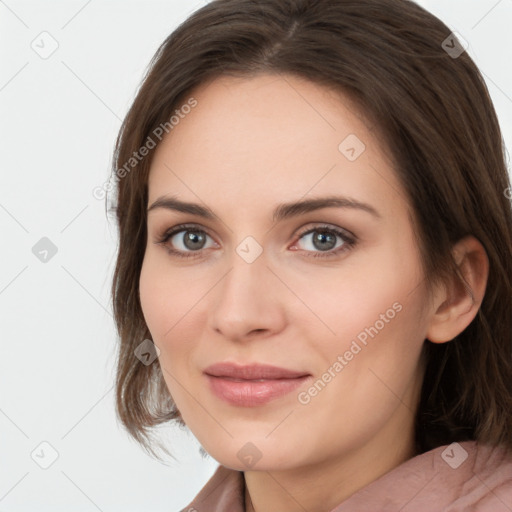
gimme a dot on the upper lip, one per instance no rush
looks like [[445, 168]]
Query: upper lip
[[252, 371]]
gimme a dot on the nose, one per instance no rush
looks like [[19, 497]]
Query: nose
[[248, 302]]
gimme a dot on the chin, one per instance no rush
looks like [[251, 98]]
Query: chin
[[245, 453]]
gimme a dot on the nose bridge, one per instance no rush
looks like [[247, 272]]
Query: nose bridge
[[248, 274], [243, 301]]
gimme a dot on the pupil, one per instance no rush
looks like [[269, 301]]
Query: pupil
[[320, 239], [194, 240]]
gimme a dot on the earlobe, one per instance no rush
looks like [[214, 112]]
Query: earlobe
[[456, 304]]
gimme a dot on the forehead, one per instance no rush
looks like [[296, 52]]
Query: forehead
[[269, 139]]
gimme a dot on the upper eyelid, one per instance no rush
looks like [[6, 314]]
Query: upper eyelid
[[326, 226]]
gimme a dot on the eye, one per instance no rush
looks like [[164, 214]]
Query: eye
[[325, 241], [185, 240]]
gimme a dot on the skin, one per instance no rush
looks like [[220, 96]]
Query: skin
[[249, 145]]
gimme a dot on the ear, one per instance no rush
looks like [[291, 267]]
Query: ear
[[456, 304]]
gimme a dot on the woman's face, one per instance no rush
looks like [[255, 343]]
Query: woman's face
[[330, 294]]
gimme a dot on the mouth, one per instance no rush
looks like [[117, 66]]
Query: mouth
[[252, 385]]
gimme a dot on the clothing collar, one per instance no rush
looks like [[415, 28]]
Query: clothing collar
[[459, 476]]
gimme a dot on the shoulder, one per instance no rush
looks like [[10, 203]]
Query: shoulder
[[487, 484], [454, 478]]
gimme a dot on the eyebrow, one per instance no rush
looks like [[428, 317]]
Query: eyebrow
[[281, 212]]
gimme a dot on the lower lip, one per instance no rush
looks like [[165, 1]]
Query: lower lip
[[250, 393]]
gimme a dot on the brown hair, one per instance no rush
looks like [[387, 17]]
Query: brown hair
[[434, 113]]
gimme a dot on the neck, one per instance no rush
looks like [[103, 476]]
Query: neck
[[321, 487]]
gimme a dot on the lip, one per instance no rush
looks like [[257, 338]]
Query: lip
[[252, 385]]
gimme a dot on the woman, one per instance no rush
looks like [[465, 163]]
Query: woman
[[314, 268]]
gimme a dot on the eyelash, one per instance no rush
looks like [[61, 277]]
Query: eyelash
[[349, 242]]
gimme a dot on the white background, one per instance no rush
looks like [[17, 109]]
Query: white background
[[58, 119]]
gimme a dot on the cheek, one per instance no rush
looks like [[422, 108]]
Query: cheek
[[381, 347], [164, 296], [370, 311], [165, 302], [349, 299], [173, 308], [369, 368], [151, 293], [162, 301]]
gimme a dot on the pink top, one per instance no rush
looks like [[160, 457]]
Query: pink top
[[461, 477]]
